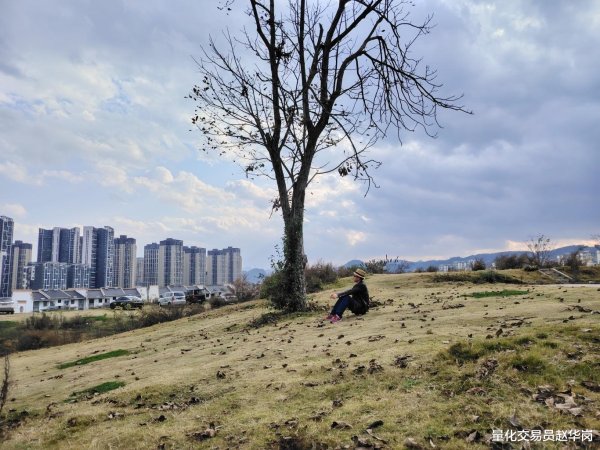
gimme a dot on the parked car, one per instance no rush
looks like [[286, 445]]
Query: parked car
[[7, 306], [197, 295], [127, 302], [171, 298]]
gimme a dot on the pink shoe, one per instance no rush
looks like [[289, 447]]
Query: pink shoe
[[335, 318], [329, 317]]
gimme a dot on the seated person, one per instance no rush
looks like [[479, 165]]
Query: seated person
[[356, 298]]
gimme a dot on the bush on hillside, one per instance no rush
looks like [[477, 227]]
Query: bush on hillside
[[217, 302], [487, 276], [344, 272], [319, 275], [478, 264], [244, 290], [270, 285], [504, 262]]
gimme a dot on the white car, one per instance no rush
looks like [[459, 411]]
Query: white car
[[171, 298]]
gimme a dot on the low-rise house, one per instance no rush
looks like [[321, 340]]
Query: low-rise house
[[97, 299], [56, 299]]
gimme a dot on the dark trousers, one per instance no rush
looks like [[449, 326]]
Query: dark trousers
[[341, 305]]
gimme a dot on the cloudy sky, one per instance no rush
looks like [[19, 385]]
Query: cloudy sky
[[94, 130]]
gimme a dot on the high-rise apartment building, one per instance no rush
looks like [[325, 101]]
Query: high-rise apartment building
[[105, 257], [59, 245], [170, 262], [68, 247], [44, 249], [125, 262], [47, 275], [6, 240], [194, 266], [223, 266], [21, 257], [78, 276], [97, 252], [139, 271], [151, 264]]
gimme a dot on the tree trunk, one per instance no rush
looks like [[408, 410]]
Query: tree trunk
[[293, 291]]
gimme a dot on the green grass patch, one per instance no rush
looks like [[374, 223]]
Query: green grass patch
[[96, 390], [503, 293], [93, 358], [463, 352], [6, 324], [528, 364], [409, 383], [102, 318]]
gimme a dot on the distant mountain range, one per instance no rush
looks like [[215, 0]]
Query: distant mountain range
[[488, 258], [256, 275]]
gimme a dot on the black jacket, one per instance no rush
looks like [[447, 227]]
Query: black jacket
[[360, 298]]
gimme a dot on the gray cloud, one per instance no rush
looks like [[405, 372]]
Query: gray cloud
[[93, 92]]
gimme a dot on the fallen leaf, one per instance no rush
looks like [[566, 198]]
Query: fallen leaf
[[412, 444], [341, 426], [473, 437], [516, 423], [591, 385], [376, 424], [476, 391], [370, 432]]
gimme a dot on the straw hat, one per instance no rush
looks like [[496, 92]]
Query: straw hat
[[360, 274]]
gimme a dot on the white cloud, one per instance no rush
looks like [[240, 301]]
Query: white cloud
[[355, 237], [13, 210], [164, 175], [63, 175], [109, 175], [15, 172]]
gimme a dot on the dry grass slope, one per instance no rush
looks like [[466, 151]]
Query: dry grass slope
[[429, 363]]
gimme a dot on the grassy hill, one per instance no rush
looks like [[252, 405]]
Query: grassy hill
[[434, 364]]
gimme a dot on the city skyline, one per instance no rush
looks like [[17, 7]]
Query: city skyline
[[96, 258], [95, 127]]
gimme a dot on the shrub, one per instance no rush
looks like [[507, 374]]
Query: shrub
[[344, 272], [318, 275], [478, 264], [270, 285], [244, 290], [476, 278], [395, 265], [43, 322], [217, 302], [504, 262], [495, 277], [36, 339]]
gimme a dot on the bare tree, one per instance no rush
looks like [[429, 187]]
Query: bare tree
[[244, 289], [539, 250], [307, 92], [478, 264]]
